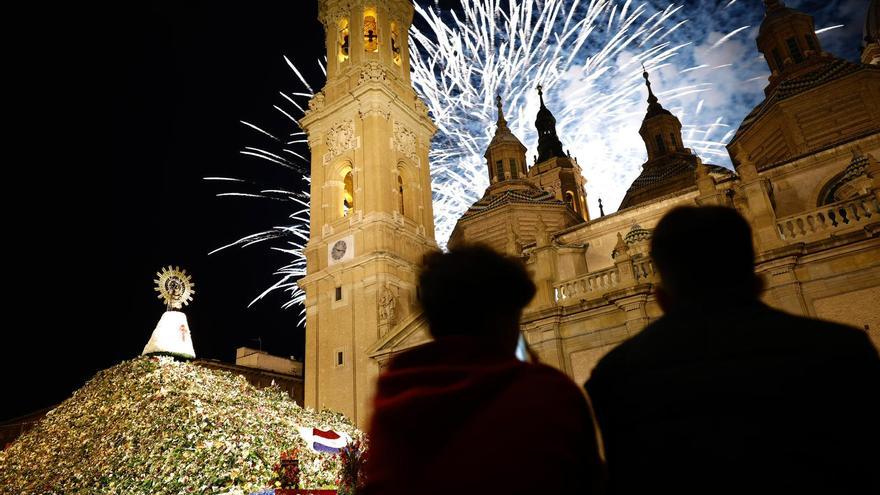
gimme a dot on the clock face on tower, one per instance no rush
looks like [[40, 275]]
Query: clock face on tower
[[339, 249]]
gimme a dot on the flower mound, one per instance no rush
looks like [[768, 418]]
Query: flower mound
[[159, 426]]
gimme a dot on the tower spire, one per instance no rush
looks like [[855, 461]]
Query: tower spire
[[654, 106], [549, 145], [651, 98], [501, 123]]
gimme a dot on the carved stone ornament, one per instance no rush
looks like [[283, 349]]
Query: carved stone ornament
[[340, 138], [420, 107], [317, 101], [330, 17], [368, 109], [405, 141], [387, 306], [372, 72]]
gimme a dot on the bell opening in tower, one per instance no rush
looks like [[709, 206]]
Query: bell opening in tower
[[395, 43], [344, 41], [371, 32], [347, 194]]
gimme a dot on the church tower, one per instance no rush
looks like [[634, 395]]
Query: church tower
[[660, 130], [371, 215], [554, 170], [670, 166], [787, 39], [506, 155]]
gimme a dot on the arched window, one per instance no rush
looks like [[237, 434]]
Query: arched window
[[661, 146], [499, 169], [400, 195], [395, 43], [514, 171], [570, 200], [344, 41], [777, 58], [811, 43], [407, 202], [371, 32], [347, 194], [794, 50]]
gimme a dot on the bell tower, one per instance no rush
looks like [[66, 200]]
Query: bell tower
[[787, 39], [371, 215]]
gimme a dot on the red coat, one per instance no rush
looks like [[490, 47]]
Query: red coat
[[454, 416]]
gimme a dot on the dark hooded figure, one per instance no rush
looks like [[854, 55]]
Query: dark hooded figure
[[724, 394], [462, 414]]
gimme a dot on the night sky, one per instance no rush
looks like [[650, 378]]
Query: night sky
[[118, 112], [142, 104]]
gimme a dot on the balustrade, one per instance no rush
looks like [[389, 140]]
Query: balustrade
[[595, 284], [829, 218]]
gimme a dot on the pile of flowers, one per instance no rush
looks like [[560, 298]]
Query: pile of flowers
[[159, 426]]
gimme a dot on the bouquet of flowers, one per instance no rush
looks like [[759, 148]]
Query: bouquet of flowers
[[287, 470], [351, 472]]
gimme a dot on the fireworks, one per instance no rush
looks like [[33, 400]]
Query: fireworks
[[588, 55], [290, 152]]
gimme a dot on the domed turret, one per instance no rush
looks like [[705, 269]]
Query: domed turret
[[549, 145], [670, 166], [506, 155], [788, 40]]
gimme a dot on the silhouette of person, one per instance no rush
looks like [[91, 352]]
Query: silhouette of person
[[462, 414], [724, 394]]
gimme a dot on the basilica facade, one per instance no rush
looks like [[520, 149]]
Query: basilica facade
[[806, 178]]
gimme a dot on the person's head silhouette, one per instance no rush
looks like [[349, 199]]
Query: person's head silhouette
[[474, 291], [704, 255]]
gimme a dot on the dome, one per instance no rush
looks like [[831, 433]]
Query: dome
[[776, 11], [637, 234], [502, 132]]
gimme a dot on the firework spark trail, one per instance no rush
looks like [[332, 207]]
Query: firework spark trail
[[829, 28], [587, 55], [728, 36], [294, 235]]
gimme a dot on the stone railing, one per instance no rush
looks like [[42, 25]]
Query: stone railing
[[643, 270], [829, 219], [587, 286]]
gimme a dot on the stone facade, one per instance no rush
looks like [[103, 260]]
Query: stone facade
[[371, 214], [805, 177]]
